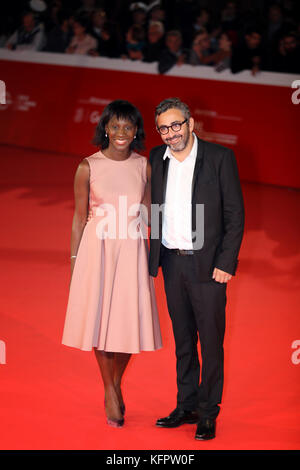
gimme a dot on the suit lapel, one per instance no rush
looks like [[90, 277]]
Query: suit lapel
[[161, 174], [198, 163]]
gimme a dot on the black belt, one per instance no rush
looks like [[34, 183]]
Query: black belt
[[178, 252]]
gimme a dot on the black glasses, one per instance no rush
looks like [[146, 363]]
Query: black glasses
[[176, 126]]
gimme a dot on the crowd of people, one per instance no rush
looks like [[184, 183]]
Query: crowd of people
[[237, 35]]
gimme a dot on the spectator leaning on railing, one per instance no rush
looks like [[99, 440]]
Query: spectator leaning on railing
[[174, 53], [287, 57], [82, 42], [98, 20], [248, 55], [155, 41], [136, 30], [201, 52], [30, 36], [135, 43], [60, 36], [108, 44]]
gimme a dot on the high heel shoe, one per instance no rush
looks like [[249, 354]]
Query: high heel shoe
[[115, 423], [118, 423]]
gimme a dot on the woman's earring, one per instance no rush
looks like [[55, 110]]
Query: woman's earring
[[105, 134], [135, 137]]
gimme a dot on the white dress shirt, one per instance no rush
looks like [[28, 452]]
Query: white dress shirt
[[177, 215]]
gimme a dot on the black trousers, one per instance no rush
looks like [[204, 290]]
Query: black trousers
[[196, 308]]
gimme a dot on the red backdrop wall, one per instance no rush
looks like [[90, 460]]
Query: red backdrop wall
[[56, 108]]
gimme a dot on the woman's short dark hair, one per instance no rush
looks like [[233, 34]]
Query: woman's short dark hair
[[121, 109]]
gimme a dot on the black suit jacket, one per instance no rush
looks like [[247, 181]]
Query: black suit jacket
[[215, 184]]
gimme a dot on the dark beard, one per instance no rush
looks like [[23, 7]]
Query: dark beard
[[182, 144]]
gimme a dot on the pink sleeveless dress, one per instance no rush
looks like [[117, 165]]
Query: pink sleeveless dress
[[111, 304]]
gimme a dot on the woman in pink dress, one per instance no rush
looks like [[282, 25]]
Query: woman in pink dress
[[112, 306]]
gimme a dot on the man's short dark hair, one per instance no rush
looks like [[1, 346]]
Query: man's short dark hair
[[121, 109], [172, 103]]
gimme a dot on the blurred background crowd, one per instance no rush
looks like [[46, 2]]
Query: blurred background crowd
[[237, 35]]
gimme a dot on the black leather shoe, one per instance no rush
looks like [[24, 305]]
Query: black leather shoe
[[206, 430], [177, 418]]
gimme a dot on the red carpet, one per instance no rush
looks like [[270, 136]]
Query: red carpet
[[52, 396]]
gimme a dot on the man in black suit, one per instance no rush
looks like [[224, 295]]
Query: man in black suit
[[197, 226]]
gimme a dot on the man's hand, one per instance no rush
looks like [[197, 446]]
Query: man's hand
[[221, 276]]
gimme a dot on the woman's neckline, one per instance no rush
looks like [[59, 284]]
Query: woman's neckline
[[116, 161]]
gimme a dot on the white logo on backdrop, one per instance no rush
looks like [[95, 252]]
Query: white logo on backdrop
[[295, 358], [86, 111], [20, 102]]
